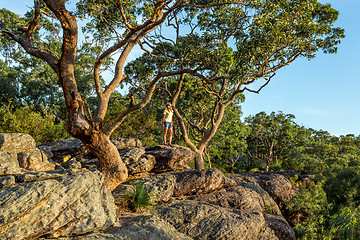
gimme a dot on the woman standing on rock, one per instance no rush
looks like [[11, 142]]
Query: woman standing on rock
[[167, 122]]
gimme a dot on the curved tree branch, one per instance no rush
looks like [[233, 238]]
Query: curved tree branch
[[30, 49], [34, 24], [134, 107], [135, 37]]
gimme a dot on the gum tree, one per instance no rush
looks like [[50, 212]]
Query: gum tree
[[226, 49], [111, 27], [226, 45]]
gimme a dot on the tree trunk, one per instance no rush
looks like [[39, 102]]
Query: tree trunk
[[111, 165], [267, 166], [269, 158], [207, 154], [268, 162], [199, 161]]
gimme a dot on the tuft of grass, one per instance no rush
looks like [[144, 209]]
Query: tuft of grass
[[138, 198]]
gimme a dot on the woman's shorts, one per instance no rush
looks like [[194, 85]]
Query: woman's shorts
[[167, 125]]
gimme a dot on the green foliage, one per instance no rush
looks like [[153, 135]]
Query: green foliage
[[309, 210], [36, 83], [138, 198], [347, 225], [27, 80], [343, 189], [271, 136], [294, 179], [242, 42], [236, 45], [142, 124], [277, 25], [327, 210], [225, 147], [317, 152], [8, 85], [41, 126], [229, 143]]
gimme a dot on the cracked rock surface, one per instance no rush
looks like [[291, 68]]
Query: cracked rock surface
[[54, 204]]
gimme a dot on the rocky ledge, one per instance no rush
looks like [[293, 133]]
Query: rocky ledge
[[189, 204]]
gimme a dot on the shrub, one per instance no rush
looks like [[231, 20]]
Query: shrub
[[41, 126], [138, 198]]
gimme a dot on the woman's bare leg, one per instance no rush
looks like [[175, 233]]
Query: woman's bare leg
[[164, 136], [170, 135]]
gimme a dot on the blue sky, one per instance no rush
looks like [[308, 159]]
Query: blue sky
[[322, 93]]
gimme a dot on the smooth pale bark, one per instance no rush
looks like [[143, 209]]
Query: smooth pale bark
[[111, 165], [208, 134]]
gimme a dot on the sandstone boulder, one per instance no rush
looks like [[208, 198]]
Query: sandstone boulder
[[137, 228], [247, 196], [278, 186], [192, 182], [91, 236], [157, 158], [200, 220], [196, 220], [72, 164], [126, 142], [91, 163], [54, 204], [17, 142], [280, 227], [64, 150], [9, 163], [288, 174], [35, 160], [170, 157], [136, 160], [146, 227], [145, 163], [176, 184], [161, 187], [131, 154], [244, 196]]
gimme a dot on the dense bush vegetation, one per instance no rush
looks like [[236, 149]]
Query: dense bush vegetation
[[41, 125]]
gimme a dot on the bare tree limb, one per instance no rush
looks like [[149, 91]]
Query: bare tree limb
[[134, 107], [145, 50], [34, 24], [264, 85], [39, 53], [127, 24], [214, 5]]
